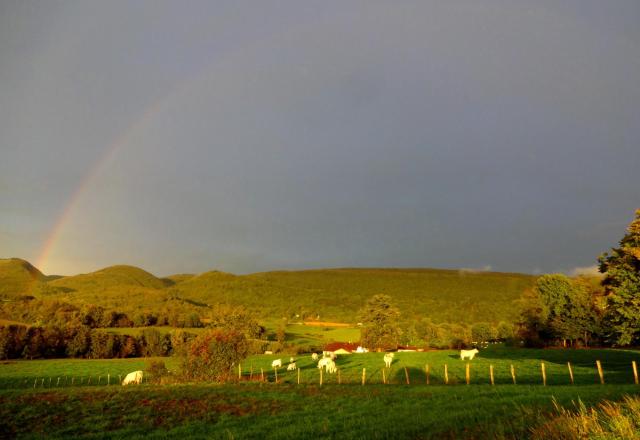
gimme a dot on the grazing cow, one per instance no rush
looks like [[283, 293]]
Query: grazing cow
[[328, 364], [314, 356], [329, 355], [133, 377], [277, 363], [268, 352], [291, 366], [388, 359], [361, 350], [468, 353]]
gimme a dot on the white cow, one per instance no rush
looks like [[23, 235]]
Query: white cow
[[328, 364], [277, 363], [314, 356], [361, 350], [388, 359], [468, 353], [329, 354], [291, 359], [133, 377], [291, 366]]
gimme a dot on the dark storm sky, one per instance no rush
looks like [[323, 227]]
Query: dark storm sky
[[257, 135]]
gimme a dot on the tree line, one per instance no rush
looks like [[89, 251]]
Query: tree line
[[78, 339], [54, 312]]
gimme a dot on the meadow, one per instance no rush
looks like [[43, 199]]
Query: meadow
[[251, 409]]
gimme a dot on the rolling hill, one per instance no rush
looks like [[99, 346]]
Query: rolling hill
[[338, 294], [18, 277], [328, 295]]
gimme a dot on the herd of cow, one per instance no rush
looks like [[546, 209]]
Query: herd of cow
[[328, 362]]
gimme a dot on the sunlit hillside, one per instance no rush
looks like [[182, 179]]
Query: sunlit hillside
[[327, 295], [18, 277], [338, 294]]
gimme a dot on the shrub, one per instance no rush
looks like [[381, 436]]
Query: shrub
[[212, 355], [156, 371]]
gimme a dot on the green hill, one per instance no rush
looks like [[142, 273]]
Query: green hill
[[338, 294], [327, 295], [109, 277], [18, 277], [121, 287]]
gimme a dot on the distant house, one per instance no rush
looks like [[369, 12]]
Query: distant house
[[341, 347]]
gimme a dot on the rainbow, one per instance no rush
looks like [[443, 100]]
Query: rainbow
[[139, 123], [86, 182]]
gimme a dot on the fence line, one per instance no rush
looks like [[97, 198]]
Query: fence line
[[374, 376]]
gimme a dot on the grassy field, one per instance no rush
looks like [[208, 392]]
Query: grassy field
[[252, 409], [616, 366]]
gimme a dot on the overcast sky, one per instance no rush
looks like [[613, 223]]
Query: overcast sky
[[257, 135]]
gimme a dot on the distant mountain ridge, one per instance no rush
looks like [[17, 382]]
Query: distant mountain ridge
[[444, 295]]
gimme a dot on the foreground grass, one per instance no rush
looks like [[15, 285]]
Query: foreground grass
[[288, 411], [614, 420], [34, 402]]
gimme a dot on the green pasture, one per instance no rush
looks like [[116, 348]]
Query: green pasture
[[616, 366], [289, 411], [286, 410], [311, 335]]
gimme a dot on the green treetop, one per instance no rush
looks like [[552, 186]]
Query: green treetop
[[621, 268]]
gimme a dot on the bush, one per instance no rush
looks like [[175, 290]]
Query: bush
[[156, 371], [212, 355]]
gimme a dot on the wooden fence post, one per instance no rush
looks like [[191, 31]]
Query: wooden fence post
[[298, 375], [251, 372], [446, 375], [34, 382], [513, 374], [570, 372], [276, 370], [544, 374], [239, 372], [320, 376], [600, 372], [339, 377], [261, 375], [108, 378], [491, 374], [426, 370], [635, 371], [384, 379], [406, 374], [73, 380], [58, 383], [364, 375], [467, 373]]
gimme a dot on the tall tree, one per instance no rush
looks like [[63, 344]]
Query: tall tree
[[621, 268], [380, 323]]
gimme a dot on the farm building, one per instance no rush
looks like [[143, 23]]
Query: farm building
[[341, 347]]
